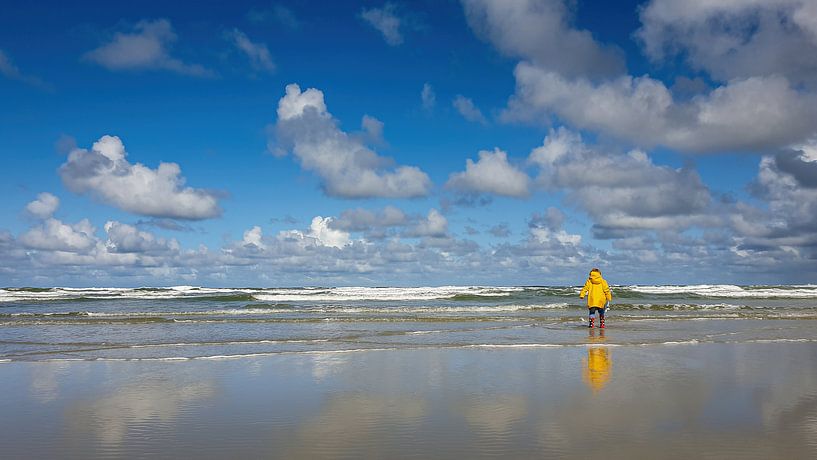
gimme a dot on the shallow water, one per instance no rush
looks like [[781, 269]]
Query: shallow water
[[199, 323], [448, 372], [195, 323], [716, 400]]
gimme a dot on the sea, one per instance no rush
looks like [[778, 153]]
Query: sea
[[202, 323]]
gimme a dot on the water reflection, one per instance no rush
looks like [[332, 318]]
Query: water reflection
[[356, 425], [134, 408], [598, 361]]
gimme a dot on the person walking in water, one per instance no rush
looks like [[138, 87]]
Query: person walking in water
[[598, 294]]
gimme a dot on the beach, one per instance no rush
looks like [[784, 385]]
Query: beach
[[701, 401], [469, 372]]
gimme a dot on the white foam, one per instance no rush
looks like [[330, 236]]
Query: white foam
[[680, 342], [307, 310], [272, 294], [62, 293], [805, 291], [801, 340], [384, 293]]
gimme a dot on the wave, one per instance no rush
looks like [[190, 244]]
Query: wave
[[254, 310], [453, 294], [806, 291]]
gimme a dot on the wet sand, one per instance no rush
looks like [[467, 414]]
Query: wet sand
[[752, 400]]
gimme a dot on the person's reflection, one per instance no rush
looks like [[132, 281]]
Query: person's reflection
[[598, 363]]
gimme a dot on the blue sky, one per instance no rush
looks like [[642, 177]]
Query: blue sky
[[405, 143]]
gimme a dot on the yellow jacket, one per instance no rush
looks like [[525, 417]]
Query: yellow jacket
[[597, 291]]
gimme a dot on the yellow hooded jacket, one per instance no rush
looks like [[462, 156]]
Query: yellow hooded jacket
[[597, 291]]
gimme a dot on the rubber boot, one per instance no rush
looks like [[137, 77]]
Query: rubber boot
[[591, 322], [601, 322]]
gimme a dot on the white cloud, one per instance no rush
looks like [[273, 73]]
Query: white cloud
[[373, 129], [124, 238], [347, 167], [428, 97], [540, 31], [54, 235], [434, 225], [735, 39], [546, 235], [146, 48], [622, 191], [787, 182], [321, 233], [385, 21], [257, 53], [320, 230], [295, 103], [490, 174], [104, 172], [468, 110], [783, 231], [748, 114], [364, 220], [44, 206], [253, 237], [556, 146]]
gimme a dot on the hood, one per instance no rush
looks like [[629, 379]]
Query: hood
[[595, 278]]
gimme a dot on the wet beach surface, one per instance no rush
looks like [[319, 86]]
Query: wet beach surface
[[717, 400]]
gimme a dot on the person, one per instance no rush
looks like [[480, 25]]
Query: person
[[598, 294]]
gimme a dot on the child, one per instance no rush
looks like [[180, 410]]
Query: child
[[598, 294]]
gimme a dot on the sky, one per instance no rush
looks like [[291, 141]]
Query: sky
[[403, 143]]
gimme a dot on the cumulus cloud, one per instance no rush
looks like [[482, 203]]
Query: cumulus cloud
[[546, 249], [735, 39], [386, 22], [781, 234], [754, 113], [357, 220], [11, 71], [124, 238], [147, 47], [105, 173], [54, 235], [373, 129], [468, 110], [493, 174], [321, 233], [434, 225], [320, 230], [764, 54], [801, 165], [253, 237], [553, 219], [790, 217], [622, 191], [44, 206], [428, 97], [541, 31], [348, 168], [257, 53]]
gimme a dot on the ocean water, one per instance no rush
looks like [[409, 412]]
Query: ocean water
[[199, 323]]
